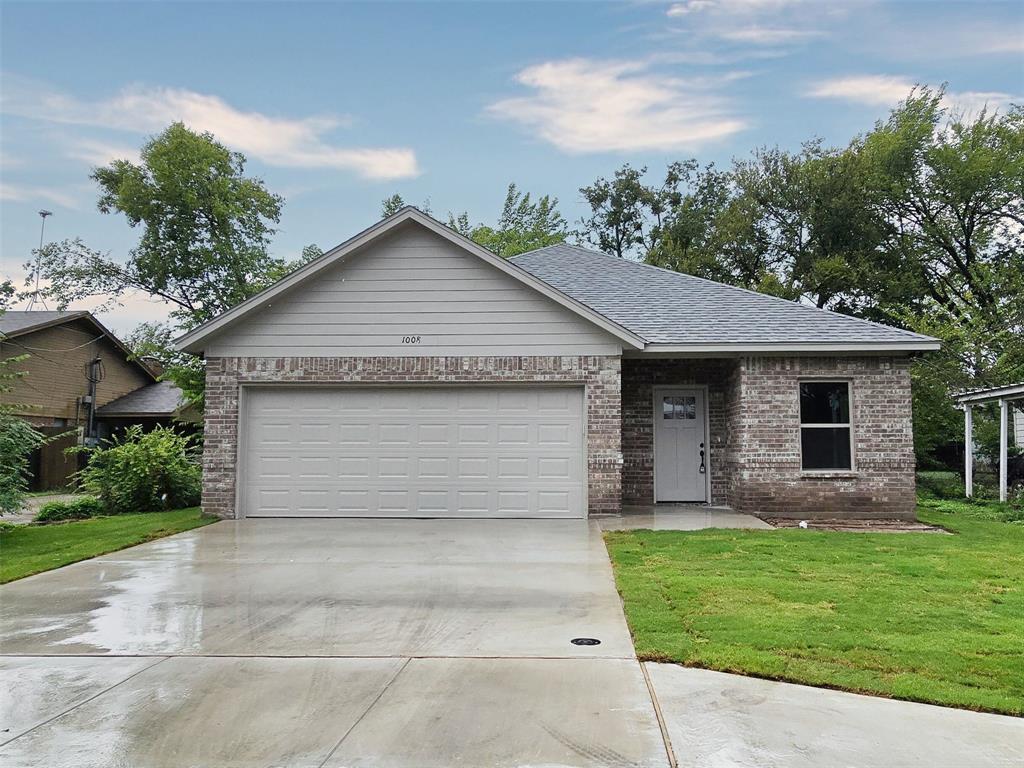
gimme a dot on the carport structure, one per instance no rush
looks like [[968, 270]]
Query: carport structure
[[1005, 395]]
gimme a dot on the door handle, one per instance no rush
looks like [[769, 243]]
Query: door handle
[[703, 468]]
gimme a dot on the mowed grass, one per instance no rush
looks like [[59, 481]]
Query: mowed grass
[[29, 549], [919, 616]]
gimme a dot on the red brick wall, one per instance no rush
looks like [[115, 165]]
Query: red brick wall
[[764, 421], [639, 377], [599, 375]]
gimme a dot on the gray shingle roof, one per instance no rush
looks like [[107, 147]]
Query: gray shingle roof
[[160, 399], [17, 321], [666, 307]]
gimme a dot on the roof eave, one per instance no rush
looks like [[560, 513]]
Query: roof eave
[[783, 348], [192, 341], [43, 325], [992, 394]]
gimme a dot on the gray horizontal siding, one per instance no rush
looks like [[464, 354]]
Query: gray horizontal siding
[[413, 283]]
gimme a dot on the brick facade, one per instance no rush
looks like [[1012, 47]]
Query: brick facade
[[754, 428], [599, 375], [753, 422], [763, 417], [639, 377]]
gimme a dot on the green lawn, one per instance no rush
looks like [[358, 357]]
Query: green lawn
[[920, 616], [28, 549]]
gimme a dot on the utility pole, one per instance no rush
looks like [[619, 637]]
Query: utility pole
[[35, 293]]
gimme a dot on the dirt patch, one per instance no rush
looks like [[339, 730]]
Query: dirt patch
[[856, 526]]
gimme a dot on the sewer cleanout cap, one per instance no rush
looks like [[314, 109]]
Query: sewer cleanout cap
[[585, 641]]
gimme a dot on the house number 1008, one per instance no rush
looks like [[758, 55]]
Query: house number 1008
[[410, 339]]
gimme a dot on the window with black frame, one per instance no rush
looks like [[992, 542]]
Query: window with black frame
[[825, 426]]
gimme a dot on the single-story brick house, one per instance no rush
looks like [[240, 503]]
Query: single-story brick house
[[411, 373]]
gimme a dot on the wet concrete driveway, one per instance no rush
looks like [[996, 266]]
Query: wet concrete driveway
[[328, 643]]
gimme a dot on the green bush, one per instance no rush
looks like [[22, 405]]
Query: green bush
[[940, 485], [17, 441], [78, 509], [144, 472]]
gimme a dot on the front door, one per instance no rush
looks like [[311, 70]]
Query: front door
[[680, 453]]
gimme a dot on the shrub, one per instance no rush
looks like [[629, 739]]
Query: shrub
[[78, 509], [17, 441], [940, 485], [144, 472]]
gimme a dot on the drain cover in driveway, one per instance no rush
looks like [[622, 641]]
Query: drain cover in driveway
[[585, 641]]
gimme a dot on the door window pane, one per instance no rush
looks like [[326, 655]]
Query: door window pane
[[679, 407], [825, 447], [824, 402], [668, 407]]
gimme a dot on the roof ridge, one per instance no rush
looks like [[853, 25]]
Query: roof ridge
[[687, 275]]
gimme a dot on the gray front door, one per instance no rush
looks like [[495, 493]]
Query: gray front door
[[680, 453]]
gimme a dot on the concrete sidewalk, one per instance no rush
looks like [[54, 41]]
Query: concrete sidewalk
[[715, 719]]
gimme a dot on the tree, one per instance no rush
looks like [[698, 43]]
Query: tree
[[523, 225], [950, 192], [205, 231], [627, 217], [205, 228]]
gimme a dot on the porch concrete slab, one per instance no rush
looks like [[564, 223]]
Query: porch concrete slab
[[716, 719], [212, 712], [36, 689], [679, 517], [505, 712], [481, 588]]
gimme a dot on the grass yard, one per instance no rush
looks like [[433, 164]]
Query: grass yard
[[29, 549], [920, 616]]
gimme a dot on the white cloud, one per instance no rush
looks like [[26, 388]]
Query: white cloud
[[691, 6], [729, 6], [888, 90], [17, 193], [101, 153], [585, 105], [768, 35], [873, 90], [281, 141]]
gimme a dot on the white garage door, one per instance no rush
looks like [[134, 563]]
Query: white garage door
[[472, 451]]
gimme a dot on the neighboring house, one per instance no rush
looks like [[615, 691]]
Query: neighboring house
[[75, 370], [410, 372], [160, 404]]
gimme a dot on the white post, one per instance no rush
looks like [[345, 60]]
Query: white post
[[1004, 436], [968, 450]]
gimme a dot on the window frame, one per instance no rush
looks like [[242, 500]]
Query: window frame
[[801, 426]]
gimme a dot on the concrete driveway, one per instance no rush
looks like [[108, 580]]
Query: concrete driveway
[[328, 643], [404, 643]]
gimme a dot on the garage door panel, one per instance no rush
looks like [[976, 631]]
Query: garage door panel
[[453, 452]]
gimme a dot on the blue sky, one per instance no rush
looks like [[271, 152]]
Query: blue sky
[[337, 105]]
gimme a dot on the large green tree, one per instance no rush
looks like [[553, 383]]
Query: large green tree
[[203, 248], [205, 227]]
